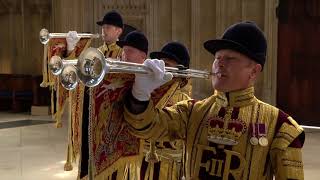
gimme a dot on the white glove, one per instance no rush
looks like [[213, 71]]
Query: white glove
[[72, 40], [145, 83]]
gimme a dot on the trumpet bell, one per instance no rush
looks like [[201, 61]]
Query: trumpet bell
[[55, 65], [91, 67], [68, 77], [44, 36]]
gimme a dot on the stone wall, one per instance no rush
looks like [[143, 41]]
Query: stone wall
[[189, 21]]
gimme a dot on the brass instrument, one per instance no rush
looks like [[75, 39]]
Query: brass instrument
[[91, 67], [45, 36]]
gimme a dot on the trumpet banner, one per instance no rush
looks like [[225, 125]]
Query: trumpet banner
[[57, 46], [111, 146], [77, 96], [60, 96]]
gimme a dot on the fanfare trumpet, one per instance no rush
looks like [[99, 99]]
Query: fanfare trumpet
[[45, 36], [91, 67], [67, 71]]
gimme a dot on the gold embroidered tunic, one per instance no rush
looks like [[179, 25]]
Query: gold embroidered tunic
[[217, 132], [111, 50], [170, 153]]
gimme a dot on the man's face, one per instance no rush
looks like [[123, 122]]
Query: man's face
[[131, 54], [110, 33], [233, 71]]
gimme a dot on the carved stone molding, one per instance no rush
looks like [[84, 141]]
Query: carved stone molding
[[127, 6], [10, 6], [134, 12], [37, 6], [138, 22], [23, 6]]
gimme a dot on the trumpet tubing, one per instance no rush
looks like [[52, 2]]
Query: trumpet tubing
[[56, 64], [45, 36], [91, 67], [120, 66]]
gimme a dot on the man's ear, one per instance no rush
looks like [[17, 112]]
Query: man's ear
[[143, 55], [120, 30], [257, 68]]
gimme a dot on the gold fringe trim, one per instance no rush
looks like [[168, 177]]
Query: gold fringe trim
[[60, 111], [70, 155], [58, 117], [122, 166], [52, 102], [76, 116], [68, 166], [58, 124]]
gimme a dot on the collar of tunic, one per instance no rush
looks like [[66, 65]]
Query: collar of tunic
[[236, 98]]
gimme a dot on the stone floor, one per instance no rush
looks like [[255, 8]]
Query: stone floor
[[35, 151]]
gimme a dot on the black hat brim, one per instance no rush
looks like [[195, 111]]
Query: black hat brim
[[126, 43], [122, 43], [218, 44], [160, 54], [100, 23]]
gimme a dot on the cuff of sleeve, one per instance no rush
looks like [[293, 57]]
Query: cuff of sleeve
[[142, 120], [286, 135]]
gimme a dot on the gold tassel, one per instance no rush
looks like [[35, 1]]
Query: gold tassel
[[68, 165], [60, 110], [52, 102], [58, 113], [58, 125], [44, 82], [152, 156], [57, 117]]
